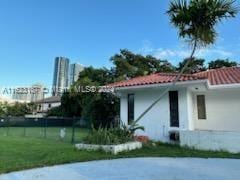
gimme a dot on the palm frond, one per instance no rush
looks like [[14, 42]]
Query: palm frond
[[196, 19]]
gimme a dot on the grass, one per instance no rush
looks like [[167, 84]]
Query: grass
[[17, 153], [39, 132]]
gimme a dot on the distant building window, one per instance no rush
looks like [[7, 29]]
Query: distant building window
[[130, 108], [201, 107], [49, 105]]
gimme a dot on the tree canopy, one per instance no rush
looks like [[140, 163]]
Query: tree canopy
[[129, 65], [219, 63], [196, 65], [95, 107], [17, 109]]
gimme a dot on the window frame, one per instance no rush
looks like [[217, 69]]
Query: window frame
[[131, 112], [174, 103], [199, 116]]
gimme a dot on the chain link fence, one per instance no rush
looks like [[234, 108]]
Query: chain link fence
[[62, 129]]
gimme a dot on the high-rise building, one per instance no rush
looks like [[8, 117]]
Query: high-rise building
[[37, 92], [21, 94], [75, 69], [29, 94], [60, 77]]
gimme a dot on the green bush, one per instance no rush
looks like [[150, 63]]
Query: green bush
[[56, 111], [108, 136], [112, 135]]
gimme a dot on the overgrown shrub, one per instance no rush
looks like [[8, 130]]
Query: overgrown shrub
[[108, 136], [112, 135], [56, 111]]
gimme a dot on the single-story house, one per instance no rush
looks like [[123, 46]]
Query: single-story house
[[48, 103], [202, 108]]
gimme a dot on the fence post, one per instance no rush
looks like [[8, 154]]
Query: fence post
[[8, 125], [45, 128], [24, 127], [73, 131]]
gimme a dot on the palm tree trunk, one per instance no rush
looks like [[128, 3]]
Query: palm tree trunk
[[170, 86]]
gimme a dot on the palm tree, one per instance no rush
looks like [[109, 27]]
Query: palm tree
[[196, 21]]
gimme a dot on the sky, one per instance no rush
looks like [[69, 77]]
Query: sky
[[33, 33]]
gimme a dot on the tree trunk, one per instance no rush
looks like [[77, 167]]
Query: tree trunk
[[170, 86]]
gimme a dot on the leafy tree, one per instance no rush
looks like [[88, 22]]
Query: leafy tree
[[100, 109], [55, 111], [99, 76], [219, 63], [97, 108], [196, 65], [129, 65], [166, 66], [71, 104], [196, 21], [32, 107], [3, 109], [18, 109]]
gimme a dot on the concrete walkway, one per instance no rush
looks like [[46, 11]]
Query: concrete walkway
[[138, 168]]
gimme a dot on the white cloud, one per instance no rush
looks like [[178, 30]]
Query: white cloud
[[214, 52], [181, 53], [146, 47], [169, 53]]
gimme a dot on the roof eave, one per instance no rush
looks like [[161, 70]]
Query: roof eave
[[203, 81], [224, 86]]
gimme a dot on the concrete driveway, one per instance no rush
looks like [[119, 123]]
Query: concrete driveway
[[137, 168]]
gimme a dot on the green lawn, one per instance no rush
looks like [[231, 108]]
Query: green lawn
[[18, 153], [39, 132]]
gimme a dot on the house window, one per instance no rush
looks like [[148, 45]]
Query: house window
[[201, 107], [49, 105], [130, 108], [174, 110]]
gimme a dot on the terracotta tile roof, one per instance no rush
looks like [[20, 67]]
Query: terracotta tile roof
[[158, 78], [222, 76], [216, 77]]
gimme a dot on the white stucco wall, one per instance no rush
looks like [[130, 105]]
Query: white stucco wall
[[222, 110], [157, 120], [123, 108], [211, 140], [44, 106]]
